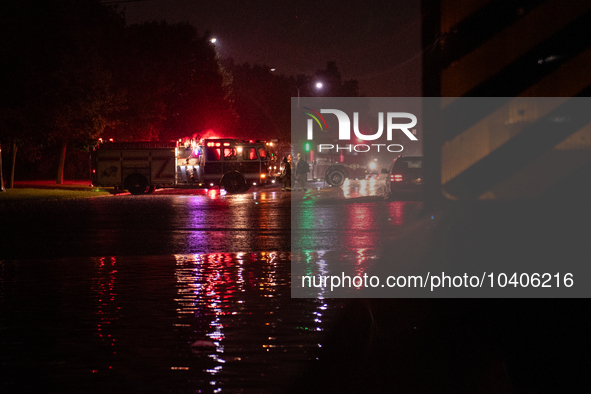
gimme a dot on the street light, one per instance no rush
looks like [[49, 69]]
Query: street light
[[318, 85]]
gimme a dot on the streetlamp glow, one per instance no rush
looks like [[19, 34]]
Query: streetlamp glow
[[317, 85], [213, 40]]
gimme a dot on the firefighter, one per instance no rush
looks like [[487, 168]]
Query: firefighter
[[292, 175], [302, 170], [286, 175]]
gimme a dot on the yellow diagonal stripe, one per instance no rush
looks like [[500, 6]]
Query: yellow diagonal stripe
[[503, 49], [491, 132], [545, 171], [478, 141]]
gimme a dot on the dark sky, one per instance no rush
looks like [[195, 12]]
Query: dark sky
[[375, 42]]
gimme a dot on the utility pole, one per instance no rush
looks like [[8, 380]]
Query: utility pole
[[2, 189]]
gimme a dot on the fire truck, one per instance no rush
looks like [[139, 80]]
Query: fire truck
[[142, 167]]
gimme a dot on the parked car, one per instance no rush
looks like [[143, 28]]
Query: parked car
[[405, 176]]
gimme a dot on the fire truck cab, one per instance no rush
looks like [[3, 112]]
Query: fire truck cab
[[234, 164]]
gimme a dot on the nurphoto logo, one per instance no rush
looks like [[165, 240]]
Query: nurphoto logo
[[392, 124]]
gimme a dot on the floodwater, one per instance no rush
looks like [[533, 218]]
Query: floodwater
[[171, 305], [205, 323]]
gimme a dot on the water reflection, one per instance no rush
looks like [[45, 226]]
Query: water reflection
[[363, 188], [349, 225], [220, 322], [220, 295], [108, 310], [215, 193], [327, 263], [348, 236]]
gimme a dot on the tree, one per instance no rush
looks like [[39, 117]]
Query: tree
[[81, 96], [262, 97], [17, 130], [200, 101], [261, 100], [60, 91], [334, 86], [17, 115], [174, 84]]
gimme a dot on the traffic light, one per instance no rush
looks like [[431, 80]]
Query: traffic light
[[307, 147]]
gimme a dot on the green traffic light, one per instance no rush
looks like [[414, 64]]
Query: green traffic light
[[307, 147]]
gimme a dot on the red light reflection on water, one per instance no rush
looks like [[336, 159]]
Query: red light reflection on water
[[179, 323], [222, 291], [107, 308], [397, 212], [215, 193], [352, 237], [362, 226]]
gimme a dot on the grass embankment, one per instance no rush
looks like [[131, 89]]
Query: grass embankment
[[26, 194]]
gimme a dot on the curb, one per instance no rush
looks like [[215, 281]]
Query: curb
[[69, 185]]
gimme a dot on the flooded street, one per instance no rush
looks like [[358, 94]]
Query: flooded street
[[180, 323], [176, 292], [184, 292]]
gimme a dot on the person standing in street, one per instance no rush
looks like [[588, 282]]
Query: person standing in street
[[302, 170], [292, 165], [286, 175]]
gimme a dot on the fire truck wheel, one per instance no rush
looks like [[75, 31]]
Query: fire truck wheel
[[335, 178], [136, 184], [234, 183]]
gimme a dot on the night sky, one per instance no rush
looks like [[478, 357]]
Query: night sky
[[375, 42]]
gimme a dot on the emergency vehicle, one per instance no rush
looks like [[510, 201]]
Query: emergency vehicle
[[335, 167], [142, 167]]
